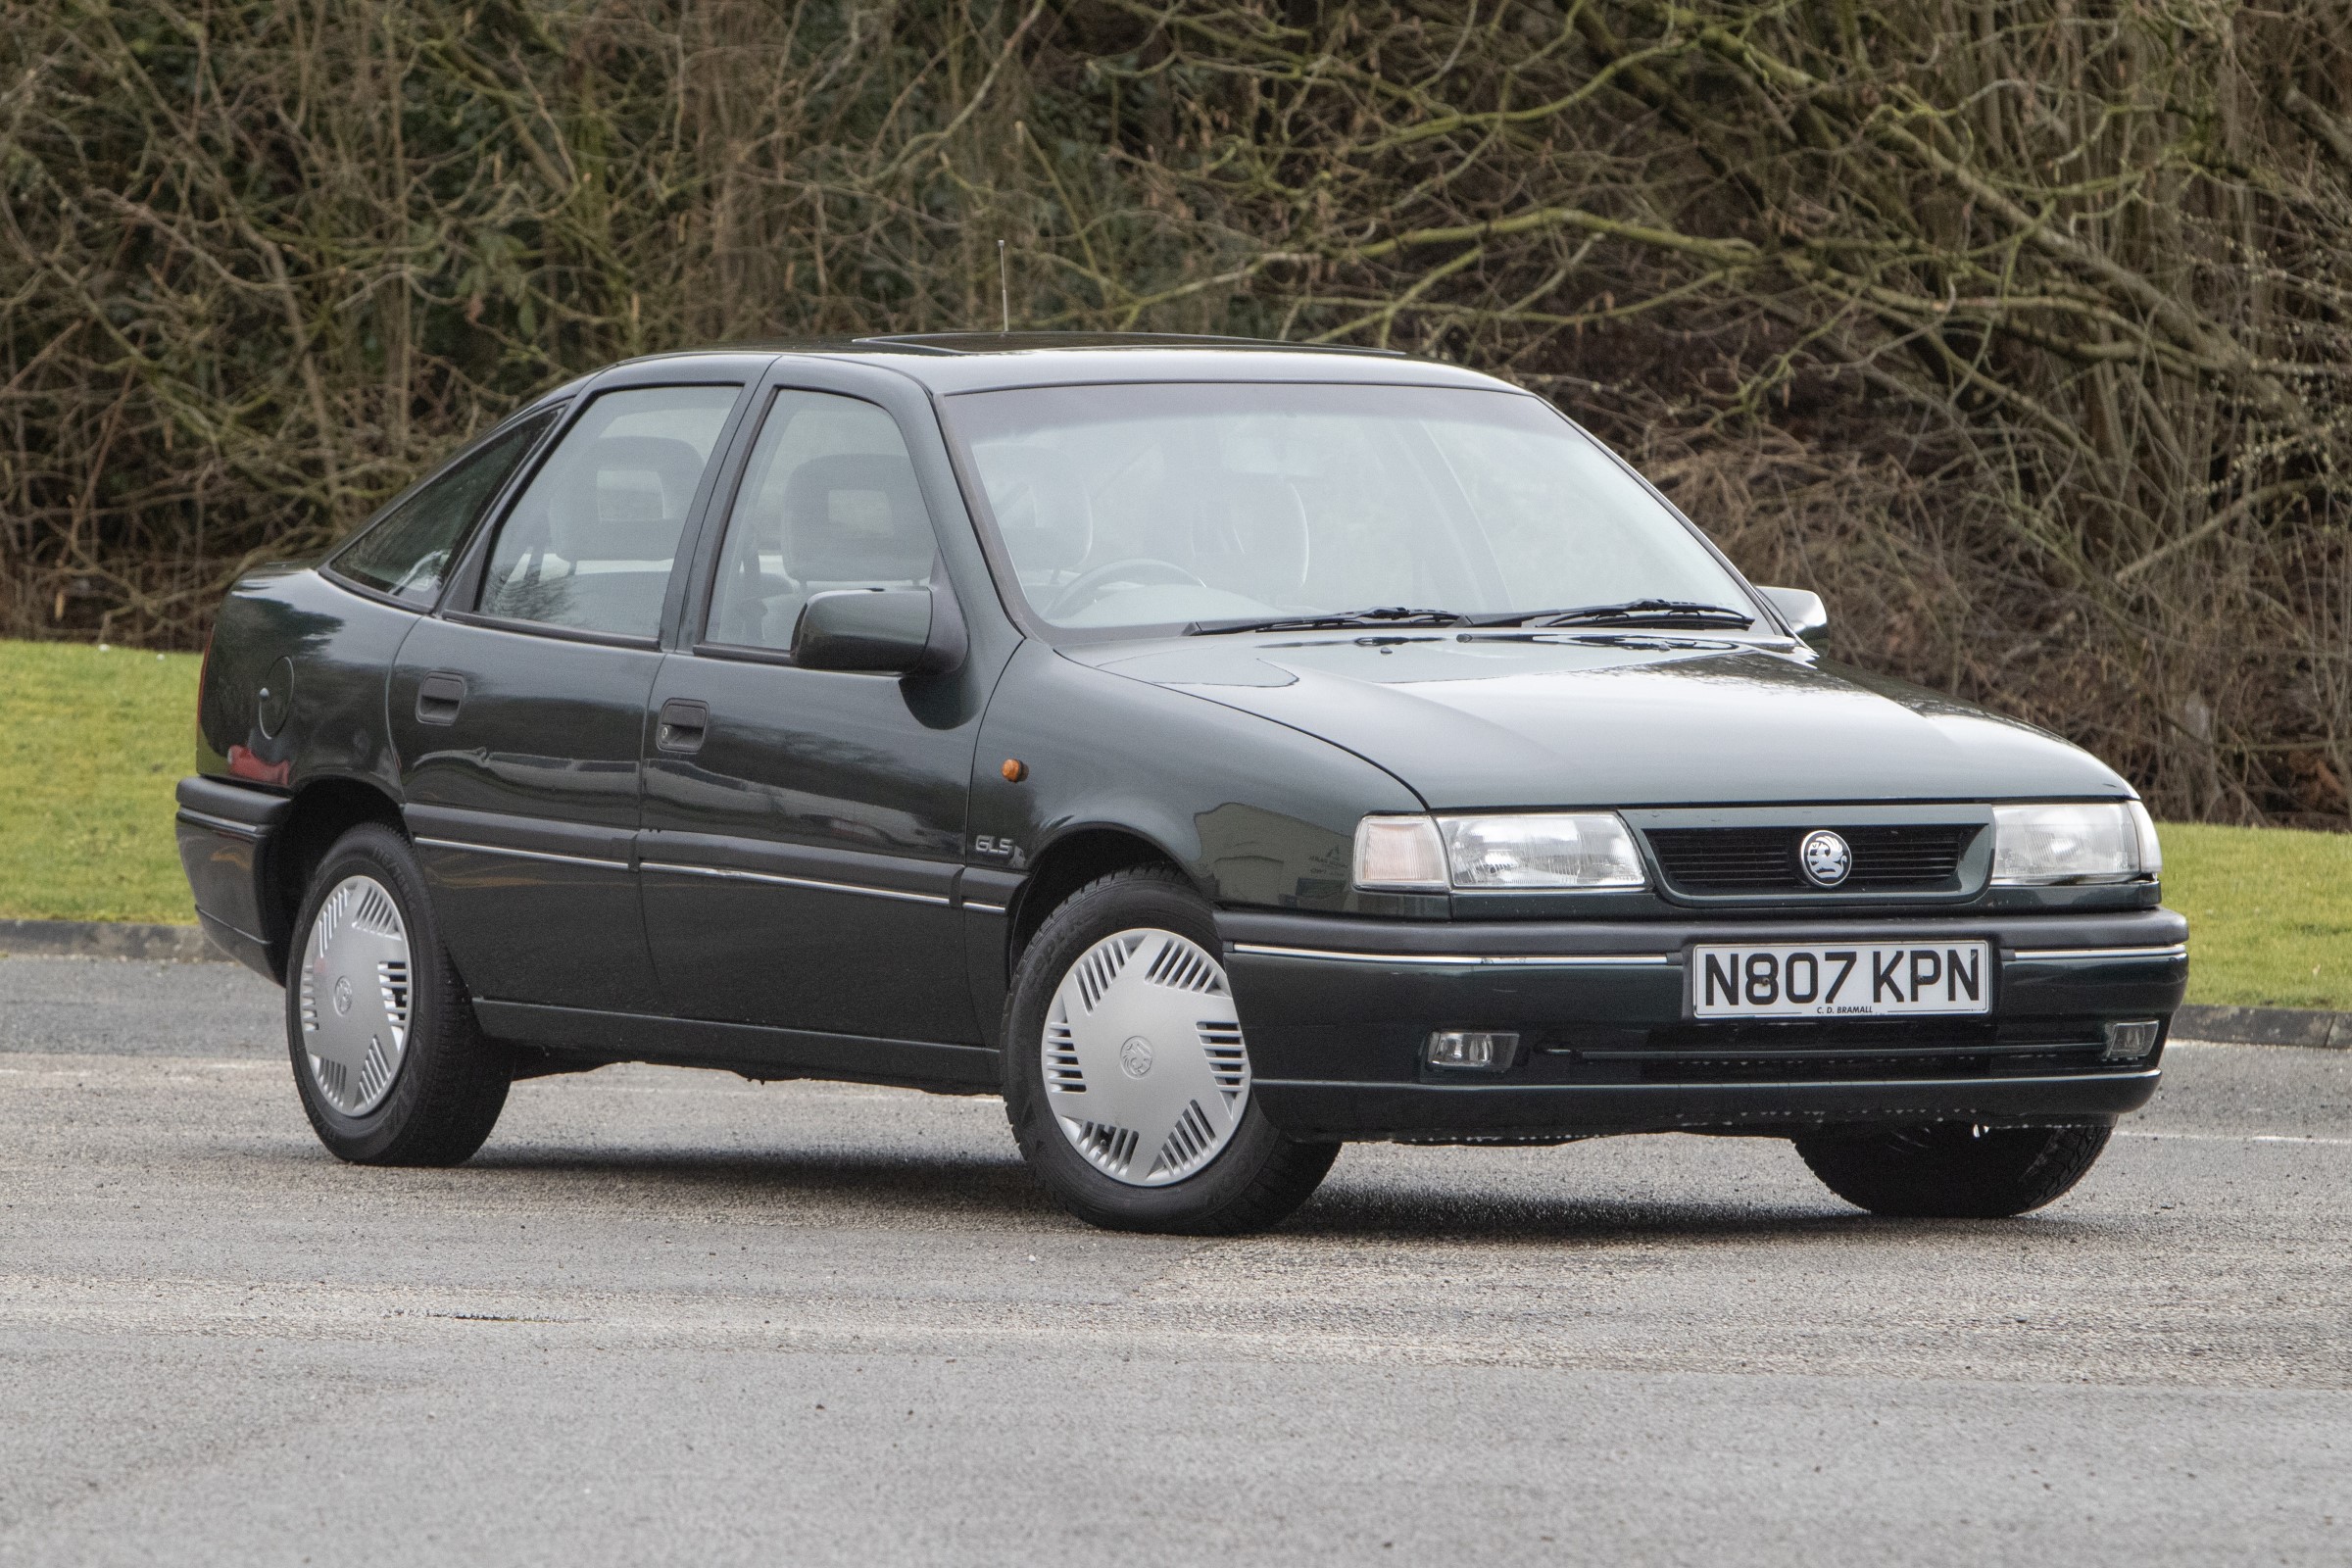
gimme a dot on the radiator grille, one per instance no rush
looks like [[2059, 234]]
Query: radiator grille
[[1901, 858]]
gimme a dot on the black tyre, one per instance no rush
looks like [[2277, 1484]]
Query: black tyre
[[1126, 1077], [392, 1068], [1952, 1170]]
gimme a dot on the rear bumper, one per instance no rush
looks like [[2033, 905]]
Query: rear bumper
[[1338, 1011], [226, 833]]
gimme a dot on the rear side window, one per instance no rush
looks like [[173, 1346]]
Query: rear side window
[[590, 541], [408, 553]]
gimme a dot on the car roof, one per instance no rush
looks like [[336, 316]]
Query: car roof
[[973, 362]]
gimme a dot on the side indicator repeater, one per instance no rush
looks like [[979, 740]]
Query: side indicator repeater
[[1014, 770]]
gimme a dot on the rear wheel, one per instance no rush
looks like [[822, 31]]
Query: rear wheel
[[392, 1068], [1126, 1077], [1952, 1170]]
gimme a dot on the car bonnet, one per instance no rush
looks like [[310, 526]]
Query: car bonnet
[[1481, 720]]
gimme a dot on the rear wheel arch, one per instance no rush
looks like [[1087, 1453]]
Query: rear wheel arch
[[390, 1061], [323, 811]]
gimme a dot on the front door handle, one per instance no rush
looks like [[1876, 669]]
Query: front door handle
[[438, 698], [682, 726]]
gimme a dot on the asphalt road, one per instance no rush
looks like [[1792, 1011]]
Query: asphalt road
[[668, 1316]]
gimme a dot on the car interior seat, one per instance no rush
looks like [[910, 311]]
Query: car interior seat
[[1043, 514], [1250, 536], [850, 520], [596, 549]]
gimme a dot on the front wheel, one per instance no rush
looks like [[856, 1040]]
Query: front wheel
[[1126, 1077], [392, 1068], [1952, 1170]]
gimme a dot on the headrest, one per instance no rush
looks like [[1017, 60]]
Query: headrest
[[624, 498], [1252, 535], [1041, 510], [857, 518]]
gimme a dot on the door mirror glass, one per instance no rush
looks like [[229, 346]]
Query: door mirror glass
[[590, 541], [1801, 609], [829, 501], [406, 553], [881, 630]]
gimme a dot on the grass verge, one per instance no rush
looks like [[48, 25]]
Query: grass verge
[[2269, 913], [91, 742]]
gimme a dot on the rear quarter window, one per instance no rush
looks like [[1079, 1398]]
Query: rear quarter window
[[408, 552]]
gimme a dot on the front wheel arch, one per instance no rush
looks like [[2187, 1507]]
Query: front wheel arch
[[1256, 1174], [1068, 865]]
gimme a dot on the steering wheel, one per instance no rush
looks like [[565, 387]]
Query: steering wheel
[[1134, 571]]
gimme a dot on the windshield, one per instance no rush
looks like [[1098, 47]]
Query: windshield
[[1150, 505]]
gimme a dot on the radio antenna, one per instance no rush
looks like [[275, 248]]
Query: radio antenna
[[1005, 288]]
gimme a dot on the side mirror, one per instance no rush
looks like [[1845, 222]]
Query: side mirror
[[1800, 608], [888, 631]]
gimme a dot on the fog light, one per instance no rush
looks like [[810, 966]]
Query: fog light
[[2129, 1042], [1472, 1049]]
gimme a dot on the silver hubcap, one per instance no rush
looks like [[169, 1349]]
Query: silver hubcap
[[1145, 1067], [355, 995]]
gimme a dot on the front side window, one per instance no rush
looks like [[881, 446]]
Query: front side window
[[590, 541], [406, 554], [1150, 505], [829, 500]]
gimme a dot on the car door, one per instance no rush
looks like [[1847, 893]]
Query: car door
[[804, 827], [517, 715]]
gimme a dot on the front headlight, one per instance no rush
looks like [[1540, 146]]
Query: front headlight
[[2045, 845], [1512, 851]]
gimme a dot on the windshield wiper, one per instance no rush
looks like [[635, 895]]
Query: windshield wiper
[[1633, 612], [1387, 615]]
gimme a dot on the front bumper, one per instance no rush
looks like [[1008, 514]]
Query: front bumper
[[1338, 1011]]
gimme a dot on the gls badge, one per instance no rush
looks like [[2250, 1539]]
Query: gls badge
[[991, 844]]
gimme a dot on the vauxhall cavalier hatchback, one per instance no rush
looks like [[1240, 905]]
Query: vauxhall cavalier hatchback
[[1220, 750]]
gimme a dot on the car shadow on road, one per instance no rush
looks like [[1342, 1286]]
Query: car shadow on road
[[945, 1183], [975, 1186], [1465, 1213]]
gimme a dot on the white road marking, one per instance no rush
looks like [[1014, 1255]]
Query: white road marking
[[2239, 1138]]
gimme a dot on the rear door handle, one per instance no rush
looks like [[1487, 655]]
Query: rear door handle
[[682, 726], [438, 698]]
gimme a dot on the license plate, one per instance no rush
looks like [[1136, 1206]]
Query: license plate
[[1841, 980]]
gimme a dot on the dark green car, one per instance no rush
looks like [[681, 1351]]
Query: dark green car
[[1221, 751]]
